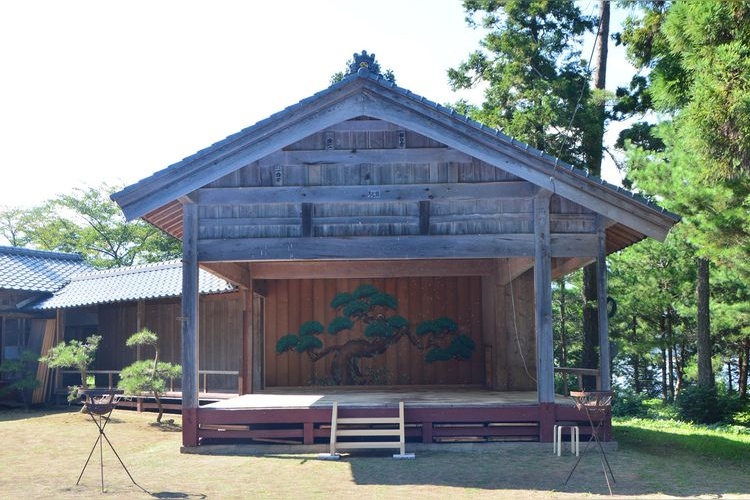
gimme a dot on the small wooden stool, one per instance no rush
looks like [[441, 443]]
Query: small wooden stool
[[574, 438]]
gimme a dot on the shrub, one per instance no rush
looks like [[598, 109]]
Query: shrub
[[148, 376], [73, 354], [630, 404], [21, 375], [706, 405]]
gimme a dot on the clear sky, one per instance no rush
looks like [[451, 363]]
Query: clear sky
[[96, 91]]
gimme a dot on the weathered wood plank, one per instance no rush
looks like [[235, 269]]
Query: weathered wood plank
[[390, 247], [368, 193], [364, 125], [356, 156]]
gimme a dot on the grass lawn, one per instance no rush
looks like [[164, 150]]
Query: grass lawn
[[43, 452]]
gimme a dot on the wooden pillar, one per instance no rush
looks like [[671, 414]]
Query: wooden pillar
[[59, 337], [601, 300], [190, 309], [248, 346], [543, 299], [140, 323]]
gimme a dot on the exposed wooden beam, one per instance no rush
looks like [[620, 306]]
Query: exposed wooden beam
[[230, 271], [354, 156], [363, 126], [564, 266], [390, 247], [372, 269], [510, 269], [370, 193]]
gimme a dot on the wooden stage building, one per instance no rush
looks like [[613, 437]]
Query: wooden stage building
[[380, 240]]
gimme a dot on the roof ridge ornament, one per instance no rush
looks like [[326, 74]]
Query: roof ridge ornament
[[363, 62]]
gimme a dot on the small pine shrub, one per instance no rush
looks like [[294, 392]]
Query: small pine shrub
[[630, 404]]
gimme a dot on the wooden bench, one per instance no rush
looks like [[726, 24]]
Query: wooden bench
[[363, 429]]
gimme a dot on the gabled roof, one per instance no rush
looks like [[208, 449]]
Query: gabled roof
[[36, 270], [366, 95], [148, 281]]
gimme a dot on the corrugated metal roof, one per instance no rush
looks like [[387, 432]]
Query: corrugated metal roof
[[37, 270], [148, 281]]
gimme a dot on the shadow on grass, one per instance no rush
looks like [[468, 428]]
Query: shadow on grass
[[167, 426], [11, 414], [176, 494], [651, 470]]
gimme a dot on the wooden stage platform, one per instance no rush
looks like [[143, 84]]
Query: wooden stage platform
[[302, 415], [317, 397]]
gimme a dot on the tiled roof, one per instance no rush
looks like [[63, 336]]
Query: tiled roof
[[36, 270], [148, 281]]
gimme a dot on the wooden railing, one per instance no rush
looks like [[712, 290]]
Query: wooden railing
[[202, 373], [580, 373]]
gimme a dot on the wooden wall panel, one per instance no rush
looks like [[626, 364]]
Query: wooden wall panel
[[520, 343], [293, 302], [220, 340], [220, 335], [116, 323]]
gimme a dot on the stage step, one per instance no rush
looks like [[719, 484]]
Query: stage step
[[359, 433]]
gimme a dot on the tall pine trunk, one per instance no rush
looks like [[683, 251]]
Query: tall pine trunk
[[705, 370], [590, 315], [742, 363]]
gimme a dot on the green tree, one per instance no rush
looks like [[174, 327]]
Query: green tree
[[372, 309], [697, 53], [538, 91], [653, 328], [20, 375], [90, 223], [73, 354], [13, 221], [537, 86], [148, 376]]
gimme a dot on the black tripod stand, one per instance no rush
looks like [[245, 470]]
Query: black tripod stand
[[99, 403], [596, 404]]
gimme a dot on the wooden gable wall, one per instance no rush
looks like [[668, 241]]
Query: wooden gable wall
[[366, 179]]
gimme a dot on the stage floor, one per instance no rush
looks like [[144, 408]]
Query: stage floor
[[319, 397]]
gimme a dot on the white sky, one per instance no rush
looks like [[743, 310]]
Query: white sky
[[101, 91]]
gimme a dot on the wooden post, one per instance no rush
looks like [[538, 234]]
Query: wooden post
[[248, 345], [258, 365], [140, 323], [190, 324], [543, 299], [59, 337], [601, 299]]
